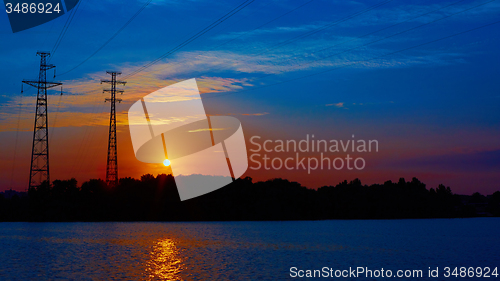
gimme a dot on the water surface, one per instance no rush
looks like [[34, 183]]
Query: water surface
[[240, 250]]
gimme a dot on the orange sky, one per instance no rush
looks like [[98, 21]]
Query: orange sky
[[80, 152]]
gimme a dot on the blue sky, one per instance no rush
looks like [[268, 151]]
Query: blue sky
[[434, 108]]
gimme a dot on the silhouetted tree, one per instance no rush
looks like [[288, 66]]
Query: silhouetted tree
[[156, 198]]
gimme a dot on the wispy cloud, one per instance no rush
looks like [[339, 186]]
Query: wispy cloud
[[255, 114], [208, 129], [243, 114], [266, 31], [411, 13], [339, 104], [64, 119]]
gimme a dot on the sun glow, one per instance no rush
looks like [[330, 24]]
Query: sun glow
[[166, 162]]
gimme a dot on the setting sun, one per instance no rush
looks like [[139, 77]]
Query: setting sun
[[166, 162]]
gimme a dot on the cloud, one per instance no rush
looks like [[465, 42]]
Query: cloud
[[411, 13], [255, 114], [265, 31], [244, 114], [208, 129], [392, 15], [339, 105], [64, 119]]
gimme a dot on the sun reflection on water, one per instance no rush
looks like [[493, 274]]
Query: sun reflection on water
[[165, 262]]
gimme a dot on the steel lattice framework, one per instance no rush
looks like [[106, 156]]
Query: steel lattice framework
[[112, 165], [39, 170]]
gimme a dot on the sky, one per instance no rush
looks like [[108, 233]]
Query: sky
[[420, 77]]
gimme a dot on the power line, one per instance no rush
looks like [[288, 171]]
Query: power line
[[327, 26], [64, 29], [92, 134], [203, 31], [233, 11], [110, 39], [262, 25], [200, 33], [220, 20], [87, 136], [102, 46], [316, 30], [319, 29], [247, 32], [17, 137], [184, 43], [194, 37], [363, 60], [58, 107]]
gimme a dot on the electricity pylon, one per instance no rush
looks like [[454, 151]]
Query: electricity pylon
[[112, 165], [39, 169]]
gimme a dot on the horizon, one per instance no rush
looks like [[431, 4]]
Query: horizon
[[79, 184]]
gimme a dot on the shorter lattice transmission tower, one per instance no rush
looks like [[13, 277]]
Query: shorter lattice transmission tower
[[39, 169], [112, 165]]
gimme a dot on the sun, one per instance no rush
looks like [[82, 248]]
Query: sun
[[166, 162]]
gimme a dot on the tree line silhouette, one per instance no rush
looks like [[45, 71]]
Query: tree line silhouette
[[156, 199]]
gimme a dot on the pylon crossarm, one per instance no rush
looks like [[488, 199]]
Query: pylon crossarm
[[118, 91], [48, 66], [31, 83], [37, 84], [111, 82]]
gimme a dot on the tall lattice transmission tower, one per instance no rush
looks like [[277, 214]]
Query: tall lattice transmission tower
[[112, 165], [39, 170]]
